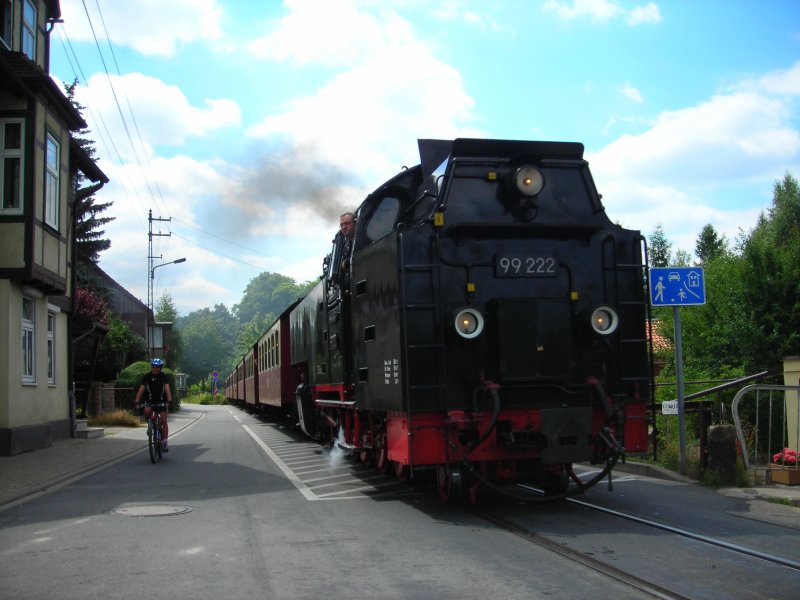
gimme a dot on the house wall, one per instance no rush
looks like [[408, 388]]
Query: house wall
[[32, 415], [35, 258], [12, 243]]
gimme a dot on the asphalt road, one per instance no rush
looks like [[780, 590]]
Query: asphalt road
[[226, 515]]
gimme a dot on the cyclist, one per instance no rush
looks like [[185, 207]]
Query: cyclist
[[158, 392]]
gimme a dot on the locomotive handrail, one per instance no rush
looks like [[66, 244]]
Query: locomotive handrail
[[335, 403]]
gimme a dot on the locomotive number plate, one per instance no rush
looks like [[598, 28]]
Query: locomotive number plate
[[524, 266]]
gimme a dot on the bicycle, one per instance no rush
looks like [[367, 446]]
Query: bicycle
[[154, 442]]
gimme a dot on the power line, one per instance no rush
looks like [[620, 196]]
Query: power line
[[116, 102], [127, 101], [233, 258], [219, 237], [107, 139]]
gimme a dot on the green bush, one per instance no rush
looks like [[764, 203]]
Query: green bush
[[131, 376], [206, 398]]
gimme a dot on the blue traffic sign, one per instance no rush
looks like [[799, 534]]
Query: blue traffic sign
[[677, 286]]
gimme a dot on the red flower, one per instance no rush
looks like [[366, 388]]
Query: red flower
[[787, 456]]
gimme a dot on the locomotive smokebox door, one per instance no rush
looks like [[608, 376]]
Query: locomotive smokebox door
[[534, 337]]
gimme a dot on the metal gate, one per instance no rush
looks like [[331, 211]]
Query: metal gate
[[767, 422]]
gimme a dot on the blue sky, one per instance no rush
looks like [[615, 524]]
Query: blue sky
[[253, 125]]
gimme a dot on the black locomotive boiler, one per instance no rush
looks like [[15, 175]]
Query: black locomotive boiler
[[489, 323]]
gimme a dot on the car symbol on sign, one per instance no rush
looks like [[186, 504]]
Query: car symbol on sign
[[674, 276]]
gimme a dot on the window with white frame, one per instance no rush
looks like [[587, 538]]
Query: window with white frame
[[11, 136], [51, 348], [51, 183], [28, 340], [29, 29]]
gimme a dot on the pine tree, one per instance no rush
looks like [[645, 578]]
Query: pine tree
[[660, 248], [710, 245], [88, 232]]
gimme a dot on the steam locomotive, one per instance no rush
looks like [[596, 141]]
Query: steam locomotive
[[487, 323]]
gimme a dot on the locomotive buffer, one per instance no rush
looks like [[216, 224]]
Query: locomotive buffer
[[676, 287]]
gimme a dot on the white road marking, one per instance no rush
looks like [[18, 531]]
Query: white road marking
[[290, 475], [317, 463]]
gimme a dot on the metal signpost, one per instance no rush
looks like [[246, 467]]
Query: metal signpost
[[676, 287]]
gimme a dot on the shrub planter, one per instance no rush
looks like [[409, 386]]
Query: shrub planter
[[785, 475]]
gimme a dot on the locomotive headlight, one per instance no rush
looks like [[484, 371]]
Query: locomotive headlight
[[604, 320], [529, 180], [468, 323]]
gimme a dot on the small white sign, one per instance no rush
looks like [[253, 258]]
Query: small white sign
[[670, 407]]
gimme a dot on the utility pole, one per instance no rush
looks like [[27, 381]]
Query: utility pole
[[150, 257]]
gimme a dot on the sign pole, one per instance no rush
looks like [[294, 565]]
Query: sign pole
[[676, 287], [676, 318]]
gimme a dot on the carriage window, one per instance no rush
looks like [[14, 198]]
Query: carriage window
[[382, 218]]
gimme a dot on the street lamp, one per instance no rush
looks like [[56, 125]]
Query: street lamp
[[174, 262], [150, 339]]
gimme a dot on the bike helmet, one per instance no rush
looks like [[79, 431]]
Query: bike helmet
[[157, 362]]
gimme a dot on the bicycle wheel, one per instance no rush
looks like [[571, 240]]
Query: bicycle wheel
[[157, 428], [151, 441]]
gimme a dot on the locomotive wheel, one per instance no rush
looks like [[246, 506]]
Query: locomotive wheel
[[367, 454], [401, 471], [449, 482], [555, 484], [381, 453]]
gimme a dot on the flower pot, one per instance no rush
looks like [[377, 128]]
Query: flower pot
[[785, 475]]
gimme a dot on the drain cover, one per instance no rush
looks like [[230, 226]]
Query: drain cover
[[150, 510]]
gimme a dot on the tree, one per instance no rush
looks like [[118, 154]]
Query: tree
[[120, 347], [682, 259], [266, 293], [166, 312], [205, 349], [660, 248], [251, 332], [771, 275], [709, 244], [88, 233], [208, 341], [751, 319]]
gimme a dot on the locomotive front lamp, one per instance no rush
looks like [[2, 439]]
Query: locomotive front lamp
[[468, 323], [529, 180], [604, 320]]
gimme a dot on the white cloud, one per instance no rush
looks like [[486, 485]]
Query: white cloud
[[151, 27], [631, 93], [333, 34], [602, 11], [677, 171], [371, 115], [783, 82], [731, 137], [163, 114], [649, 13]]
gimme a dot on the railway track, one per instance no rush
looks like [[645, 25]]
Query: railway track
[[651, 589], [748, 559], [711, 541]]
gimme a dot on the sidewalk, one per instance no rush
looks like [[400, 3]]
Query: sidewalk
[[28, 473], [774, 503], [775, 491]]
